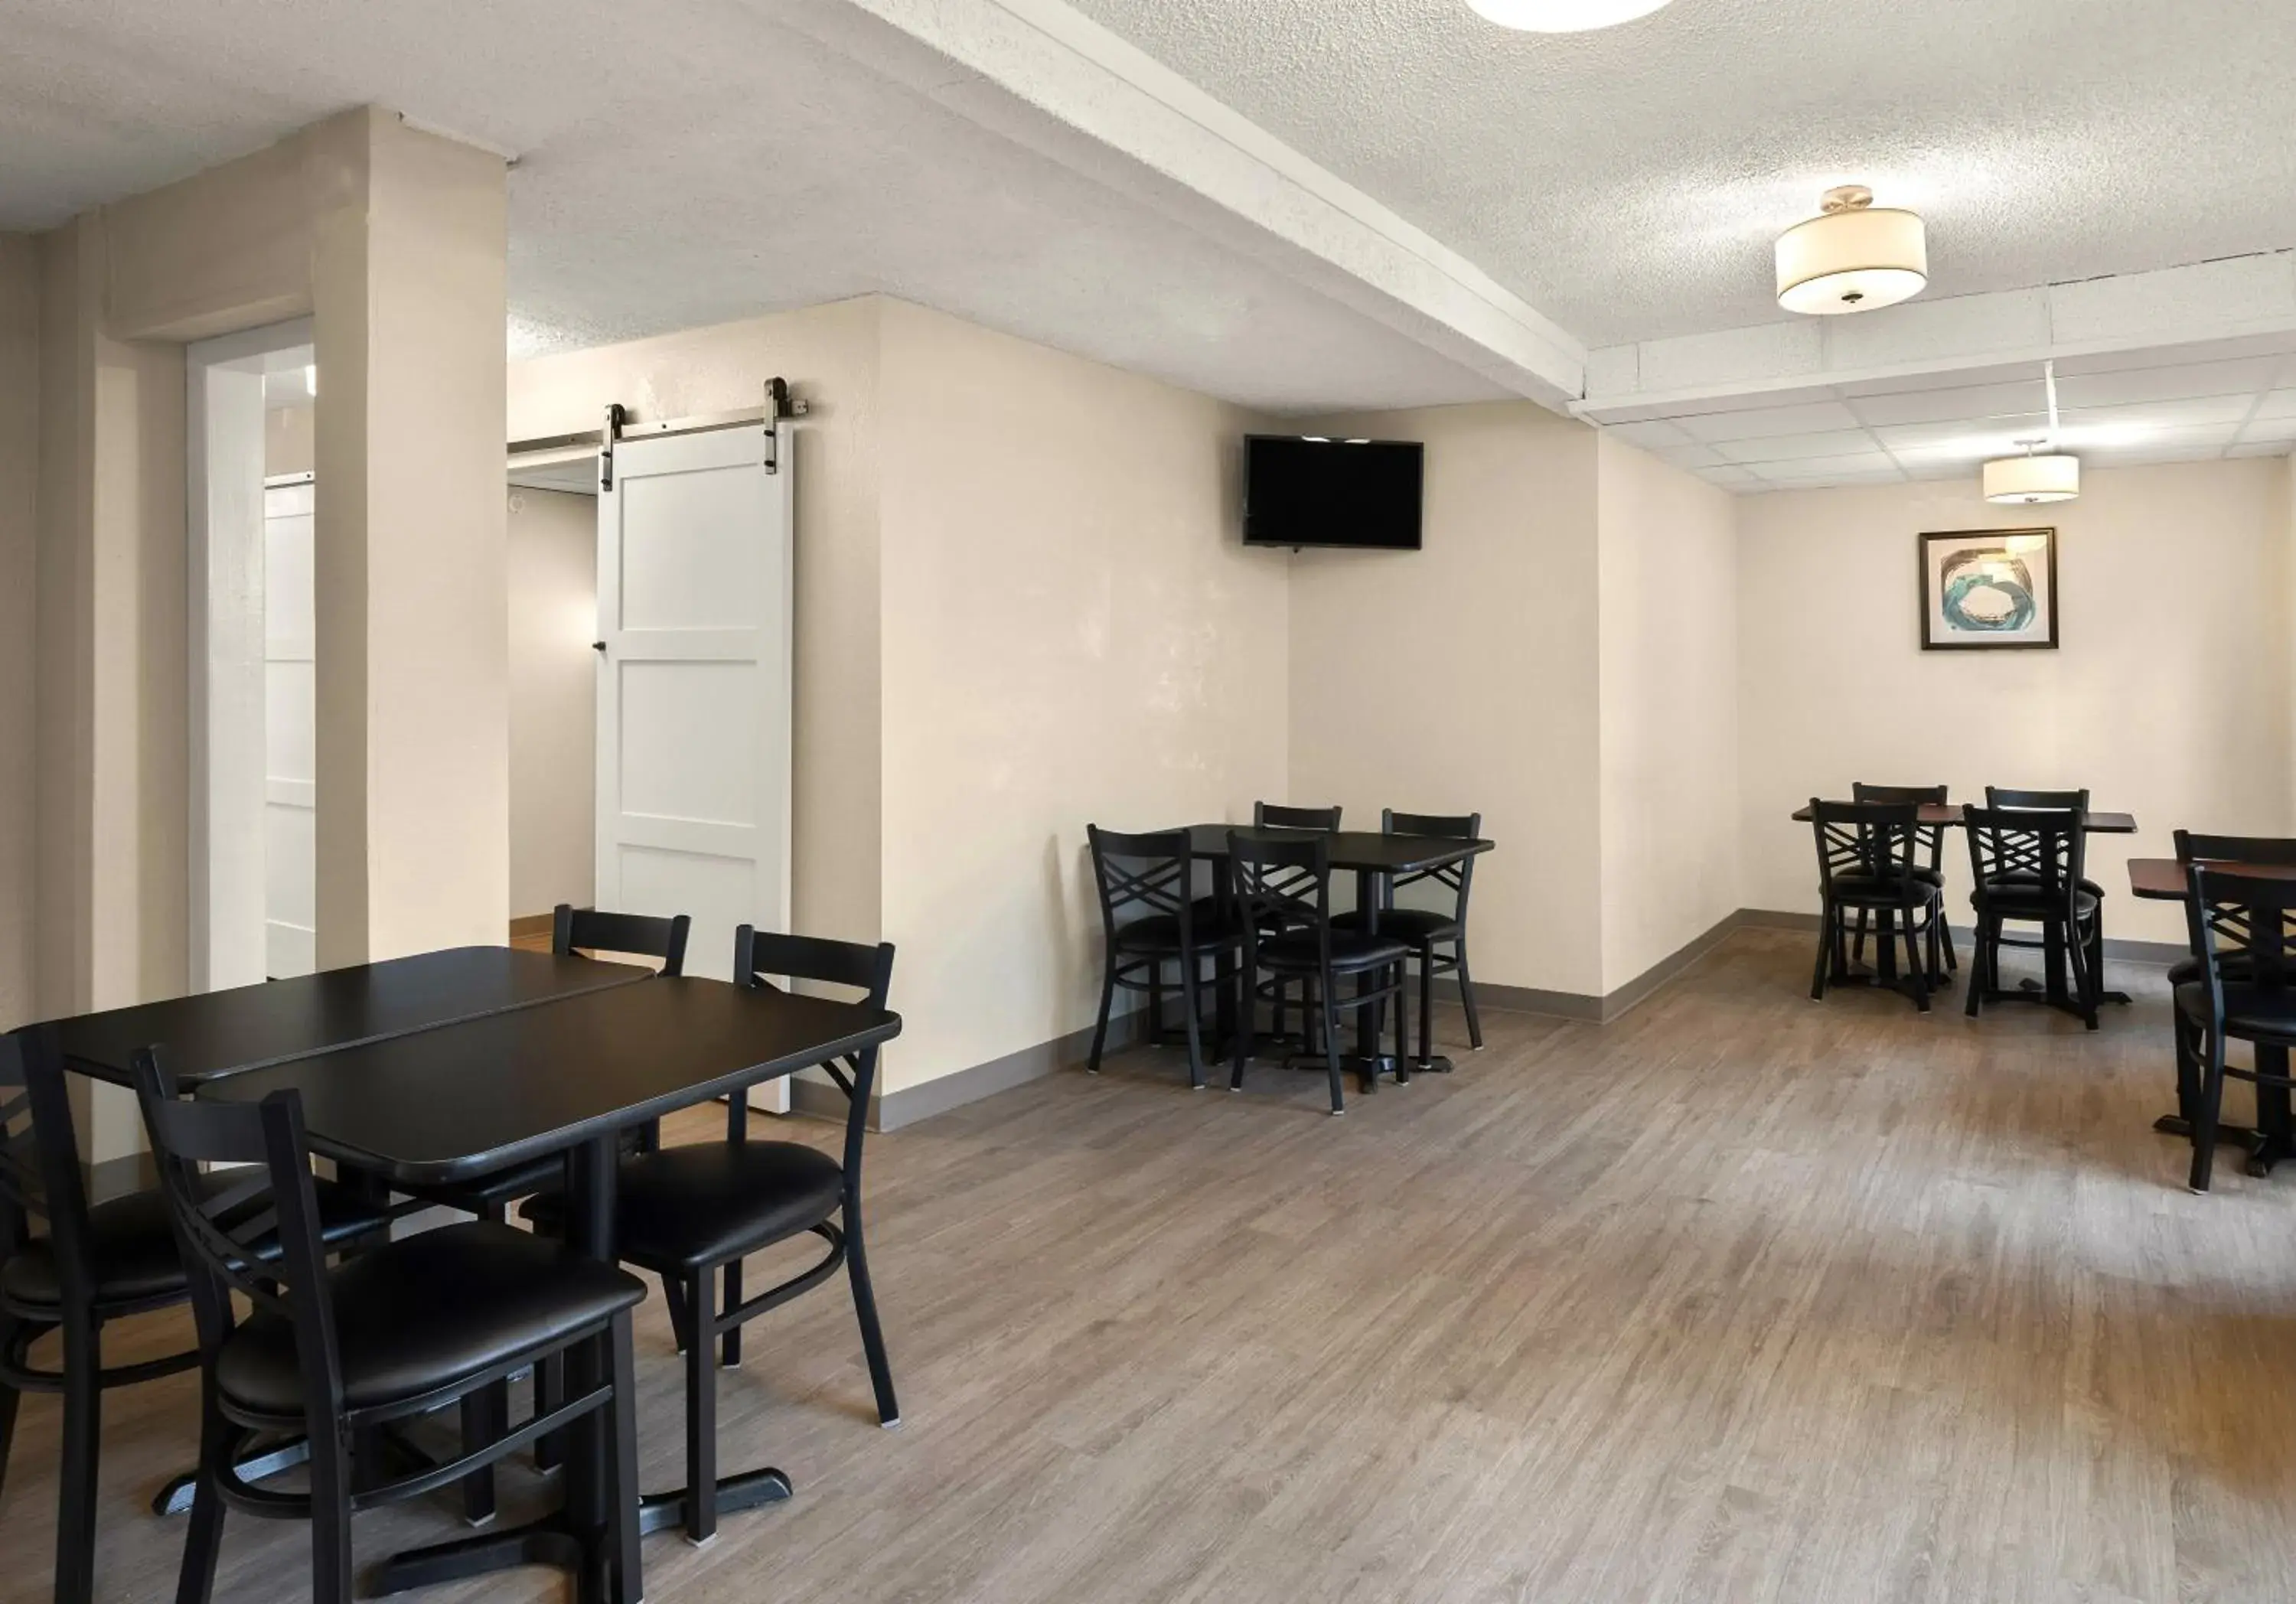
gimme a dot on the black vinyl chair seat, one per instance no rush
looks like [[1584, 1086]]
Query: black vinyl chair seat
[[1351, 953], [2014, 877], [1161, 932], [1882, 890], [2250, 1011], [418, 1314], [131, 1248], [685, 1207], [2018, 899], [1414, 926]]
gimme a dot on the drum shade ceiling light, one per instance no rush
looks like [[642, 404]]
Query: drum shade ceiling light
[[2048, 476], [1564, 16], [1853, 257]]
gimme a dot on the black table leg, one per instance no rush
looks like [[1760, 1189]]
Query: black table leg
[[176, 1497], [574, 1537]]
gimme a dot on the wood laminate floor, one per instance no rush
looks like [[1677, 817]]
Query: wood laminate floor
[[1741, 1298]]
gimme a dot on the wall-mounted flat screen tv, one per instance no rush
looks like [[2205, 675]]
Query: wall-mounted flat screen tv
[[1300, 491]]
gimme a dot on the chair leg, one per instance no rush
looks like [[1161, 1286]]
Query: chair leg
[[203, 1538], [2188, 1065], [486, 1413], [1100, 1026], [681, 1313], [1945, 938], [549, 1394], [1332, 1049], [1984, 960], [8, 1400], [1858, 943], [700, 1419], [76, 1485], [1240, 1044], [1915, 961], [1426, 1003], [622, 1487], [729, 1345], [2204, 1128], [330, 1518], [1824, 967], [1467, 999], [1402, 1025], [865, 1306], [1155, 1003], [1189, 964]]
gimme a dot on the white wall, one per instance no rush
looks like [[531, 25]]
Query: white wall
[[20, 461], [1463, 677], [1072, 634], [553, 699], [2170, 696], [1670, 708]]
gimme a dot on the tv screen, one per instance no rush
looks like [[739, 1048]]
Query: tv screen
[[1307, 492]]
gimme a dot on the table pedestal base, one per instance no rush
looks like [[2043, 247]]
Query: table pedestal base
[[176, 1497], [2265, 1150], [660, 1511], [550, 1541]]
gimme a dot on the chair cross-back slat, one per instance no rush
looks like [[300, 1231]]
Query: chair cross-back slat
[[1452, 876], [2044, 846], [1875, 840], [1276, 815], [1929, 839]]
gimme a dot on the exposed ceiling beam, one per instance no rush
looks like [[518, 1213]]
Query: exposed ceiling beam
[[1039, 73], [2222, 308]]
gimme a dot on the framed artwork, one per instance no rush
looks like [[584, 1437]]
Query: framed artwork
[[1989, 590]]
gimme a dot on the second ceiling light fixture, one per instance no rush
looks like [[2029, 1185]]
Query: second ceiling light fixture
[[1564, 16]]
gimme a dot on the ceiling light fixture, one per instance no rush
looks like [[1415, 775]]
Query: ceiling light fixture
[[1853, 257], [1564, 16], [2027, 480]]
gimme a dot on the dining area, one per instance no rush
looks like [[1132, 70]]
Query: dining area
[[338, 1159]]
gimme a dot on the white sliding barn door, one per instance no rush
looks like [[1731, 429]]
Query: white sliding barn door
[[290, 735], [694, 570]]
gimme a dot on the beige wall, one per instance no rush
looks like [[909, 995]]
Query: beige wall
[[1072, 634], [829, 355], [553, 699], [1463, 677], [1670, 708], [2170, 696], [19, 464]]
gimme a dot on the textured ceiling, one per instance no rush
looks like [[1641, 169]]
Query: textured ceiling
[[2110, 415], [682, 164], [1629, 182]]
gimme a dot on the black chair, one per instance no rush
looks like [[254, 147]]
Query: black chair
[[2003, 796], [337, 1355], [2025, 866], [1929, 854], [690, 1213], [1282, 892], [572, 931], [1152, 918], [2233, 939], [2243, 991], [1866, 862], [1428, 930], [96, 1264]]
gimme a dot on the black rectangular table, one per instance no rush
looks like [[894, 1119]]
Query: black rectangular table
[[247, 1027], [1372, 857], [567, 1076]]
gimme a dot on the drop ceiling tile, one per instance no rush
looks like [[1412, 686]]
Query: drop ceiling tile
[[2179, 383], [1864, 466], [2162, 415], [1692, 456], [2268, 429], [2277, 403], [1652, 436], [1761, 422], [1728, 477], [1787, 448], [1960, 435], [1948, 405], [2259, 448]]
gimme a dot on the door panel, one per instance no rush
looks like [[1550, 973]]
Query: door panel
[[694, 570], [290, 735]]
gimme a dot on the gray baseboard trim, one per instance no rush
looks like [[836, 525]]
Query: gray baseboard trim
[[2115, 948], [1602, 1009], [910, 1104]]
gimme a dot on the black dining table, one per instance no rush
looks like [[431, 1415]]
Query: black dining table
[[1372, 857], [553, 1060]]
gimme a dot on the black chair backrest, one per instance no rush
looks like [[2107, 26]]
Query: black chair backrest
[[1868, 840], [1929, 838], [2043, 849], [1458, 877], [1280, 881], [257, 1234], [2002, 796], [1274, 815], [761, 956], [40, 1174], [2225, 902], [2231, 929], [1145, 874], [634, 935]]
